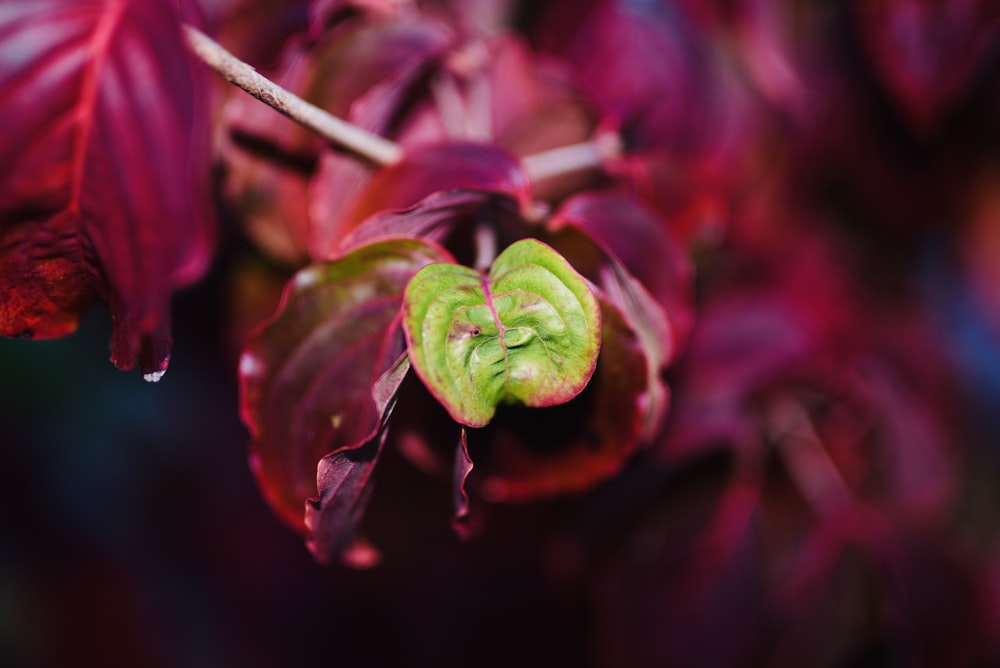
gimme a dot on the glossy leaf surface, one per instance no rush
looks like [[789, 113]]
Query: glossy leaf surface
[[307, 378], [103, 162], [528, 333]]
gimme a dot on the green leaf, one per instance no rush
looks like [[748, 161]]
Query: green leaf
[[527, 333]]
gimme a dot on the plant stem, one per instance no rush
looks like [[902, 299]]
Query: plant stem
[[808, 462], [486, 246], [370, 146], [573, 158], [344, 135]]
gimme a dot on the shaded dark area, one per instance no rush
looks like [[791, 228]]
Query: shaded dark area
[[132, 534]]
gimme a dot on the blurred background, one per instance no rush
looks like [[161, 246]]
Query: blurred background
[[827, 492]]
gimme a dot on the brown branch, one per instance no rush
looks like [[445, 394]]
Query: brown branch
[[342, 134], [590, 154]]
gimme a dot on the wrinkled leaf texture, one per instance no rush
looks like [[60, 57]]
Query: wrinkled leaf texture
[[527, 454], [307, 377], [529, 332], [103, 165]]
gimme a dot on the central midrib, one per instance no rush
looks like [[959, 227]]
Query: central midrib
[[488, 294]]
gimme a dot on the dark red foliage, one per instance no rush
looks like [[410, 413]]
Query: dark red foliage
[[787, 212], [531, 454], [644, 244], [430, 169], [295, 191], [104, 172], [928, 54], [307, 377]]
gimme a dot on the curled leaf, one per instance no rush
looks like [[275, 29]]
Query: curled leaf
[[308, 379], [424, 170], [343, 479], [526, 455], [527, 333], [463, 522]]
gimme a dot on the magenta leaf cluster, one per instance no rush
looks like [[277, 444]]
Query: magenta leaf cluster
[[674, 258]]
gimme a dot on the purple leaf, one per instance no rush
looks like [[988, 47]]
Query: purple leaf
[[435, 218], [644, 64], [293, 187], [425, 170], [928, 53], [343, 480], [645, 317], [103, 159], [307, 377], [640, 241], [464, 522]]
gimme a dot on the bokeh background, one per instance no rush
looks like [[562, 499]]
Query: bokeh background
[[847, 238]]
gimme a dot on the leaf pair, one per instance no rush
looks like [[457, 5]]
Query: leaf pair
[[527, 333], [319, 382]]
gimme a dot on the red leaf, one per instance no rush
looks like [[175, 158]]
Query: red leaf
[[423, 171], [307, 377], [333, 518], [646, 318], [928, 53], [343, 478], [437, 217], [102, 159], [464, 522], [640, 241]]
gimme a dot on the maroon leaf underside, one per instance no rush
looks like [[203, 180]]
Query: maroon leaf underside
[[464, 522], [307, 377], [103, 166], [927, 54], [644, 315], [343, 480], [641, 242], [429, 169], [529, 453], [440, 217]]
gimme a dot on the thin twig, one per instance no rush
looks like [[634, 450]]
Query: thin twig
[[590, 154], [810, 465], [362, 143]]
